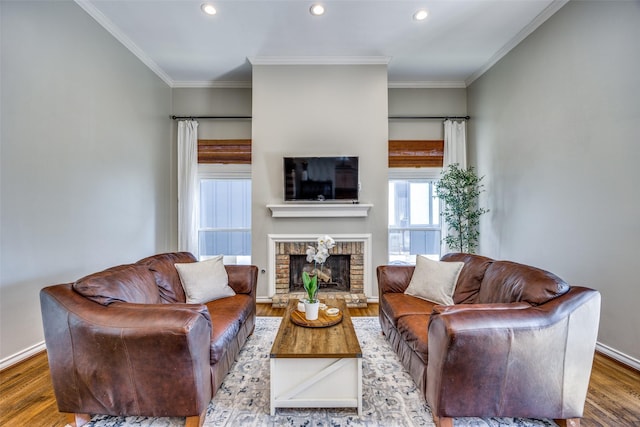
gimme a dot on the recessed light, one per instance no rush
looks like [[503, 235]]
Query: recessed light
[[208, 9], [421, 15], [316, 9]]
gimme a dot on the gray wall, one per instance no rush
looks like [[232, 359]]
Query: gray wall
[[424, 102], [85, 158], [318, 110], [555, 131], [215, 102]]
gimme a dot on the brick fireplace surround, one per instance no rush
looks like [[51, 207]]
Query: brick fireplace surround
[[283, 247]]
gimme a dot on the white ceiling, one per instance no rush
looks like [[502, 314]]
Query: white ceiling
[[457, 42]]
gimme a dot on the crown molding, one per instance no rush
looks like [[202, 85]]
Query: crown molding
[[428, 85], [319, 60], [113, 29], [523, 34], [242, 84]]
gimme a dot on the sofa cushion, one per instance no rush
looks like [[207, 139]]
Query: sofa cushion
[[414, 331], [470, 278], [506, 282], [434, 281], [396, 306], [125, 283], [166, 275], [205, 280], [227, 316]]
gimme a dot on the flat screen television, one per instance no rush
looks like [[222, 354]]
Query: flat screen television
[[323, 179]]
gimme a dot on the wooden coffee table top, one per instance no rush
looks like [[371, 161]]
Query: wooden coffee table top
[[337, 341]]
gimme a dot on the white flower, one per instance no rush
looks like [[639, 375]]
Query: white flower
[[326, 242], [311, 252], [320, 255]]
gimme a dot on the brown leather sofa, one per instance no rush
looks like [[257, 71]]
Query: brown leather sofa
[[132, 346], [518, 341]]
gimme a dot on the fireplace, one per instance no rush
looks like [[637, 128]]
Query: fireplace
[[333, 276], [349, 262]]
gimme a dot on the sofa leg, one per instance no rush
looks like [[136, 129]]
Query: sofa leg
[[196, 420], [443, 421], [77, 420], [569, 422]]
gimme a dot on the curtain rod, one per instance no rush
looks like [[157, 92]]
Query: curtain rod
[[390, 117], [429, 117], [211, 117]]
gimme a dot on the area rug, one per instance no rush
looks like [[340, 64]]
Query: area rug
[[390, 398]]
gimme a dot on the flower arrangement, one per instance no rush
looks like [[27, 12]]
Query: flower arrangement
[[317, 255]]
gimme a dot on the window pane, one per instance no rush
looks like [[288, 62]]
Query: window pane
[[392, 203], [435, 209], [214, 243], [414, 220], [405, 244], [424, 242], [225, 219], [419, 199], [225, 203], [396, 244]]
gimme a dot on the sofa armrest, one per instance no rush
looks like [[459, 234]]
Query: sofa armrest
[[127, 358], [243, 279], [393, 278], [513, 359]]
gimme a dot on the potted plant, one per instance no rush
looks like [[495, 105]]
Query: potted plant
[[458, 189], [310, 281]]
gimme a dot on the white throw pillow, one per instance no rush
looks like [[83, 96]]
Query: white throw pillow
[[204, 281], [434, 281]]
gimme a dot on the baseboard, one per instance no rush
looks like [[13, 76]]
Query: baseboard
[[618, 356], [22, 355]]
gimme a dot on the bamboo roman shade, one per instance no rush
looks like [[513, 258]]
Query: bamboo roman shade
[[402, 153], [416, 153], [225, 151]]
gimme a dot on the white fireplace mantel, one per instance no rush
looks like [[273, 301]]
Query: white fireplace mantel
[[319, 210]]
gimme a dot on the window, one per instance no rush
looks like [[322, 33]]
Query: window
[[414, 216], [225, 213]]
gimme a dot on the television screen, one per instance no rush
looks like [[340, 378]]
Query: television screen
[[321, 179]]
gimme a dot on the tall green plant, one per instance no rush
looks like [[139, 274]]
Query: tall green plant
[[458, 190]]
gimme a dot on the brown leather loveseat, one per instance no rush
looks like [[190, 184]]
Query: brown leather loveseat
[[517, 342], [132, 346]]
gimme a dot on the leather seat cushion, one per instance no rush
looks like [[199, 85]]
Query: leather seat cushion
[[227, 316], [398, 305], [414, 331]]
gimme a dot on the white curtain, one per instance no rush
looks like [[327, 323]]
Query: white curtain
[[455, 151], [455, 143], [188, 186]]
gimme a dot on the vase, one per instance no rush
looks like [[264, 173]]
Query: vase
[[311, 310]]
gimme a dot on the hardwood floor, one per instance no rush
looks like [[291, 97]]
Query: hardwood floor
[[26, 393]]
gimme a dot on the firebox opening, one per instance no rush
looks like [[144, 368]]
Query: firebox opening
[[334, 276]]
